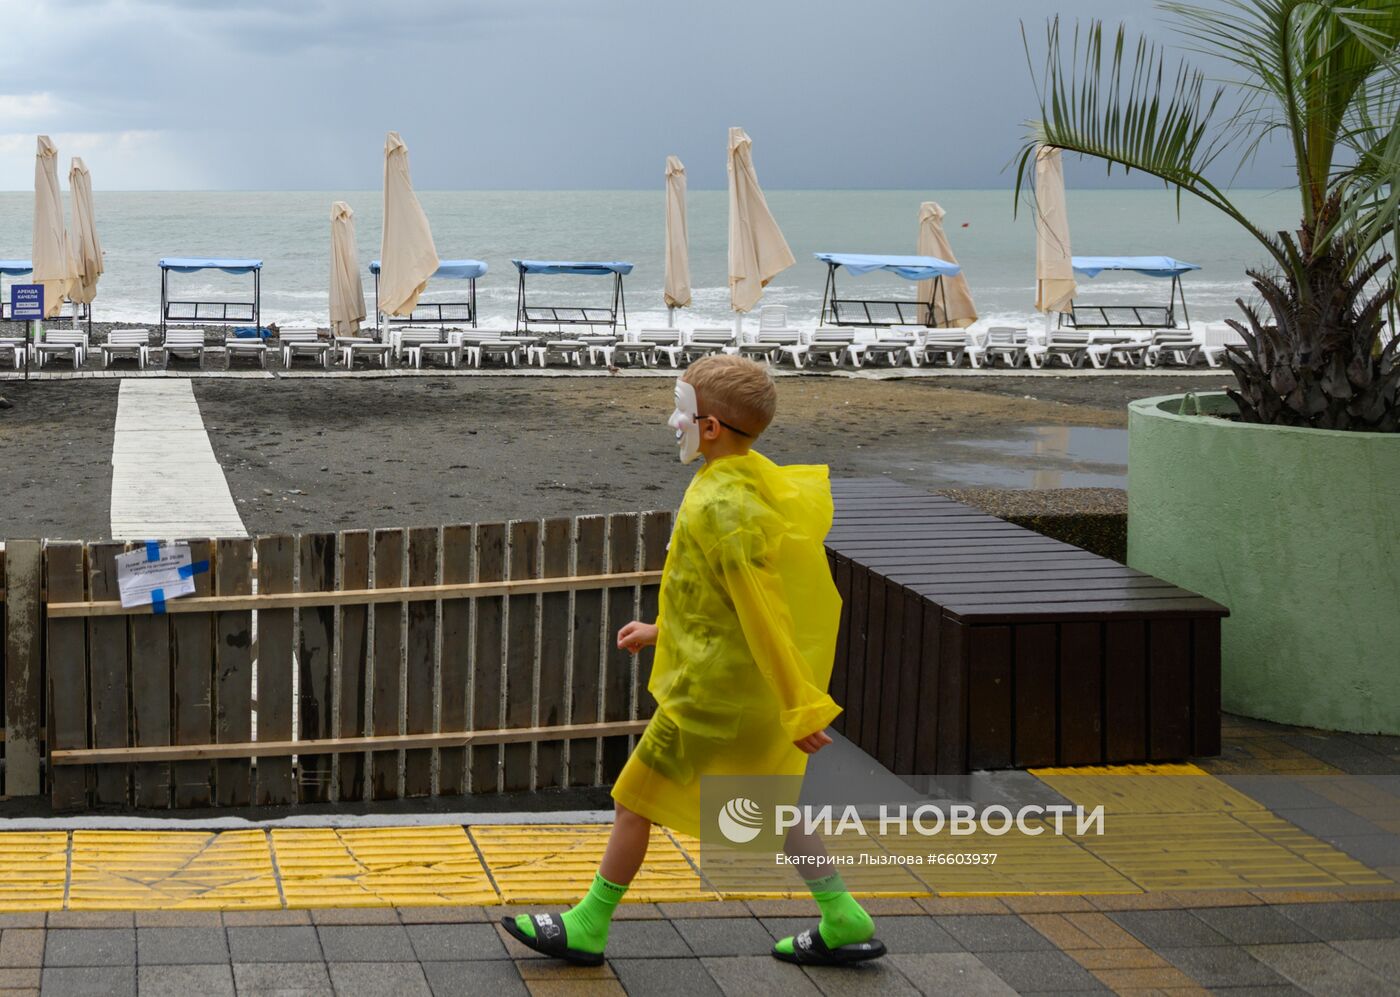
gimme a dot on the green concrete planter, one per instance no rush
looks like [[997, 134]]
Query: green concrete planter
[[1297, 532]]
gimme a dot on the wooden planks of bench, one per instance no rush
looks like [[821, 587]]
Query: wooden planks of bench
[[968, 643]]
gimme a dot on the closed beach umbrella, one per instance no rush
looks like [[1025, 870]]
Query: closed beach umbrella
[[347, 289], [677, 293], [757, 250], [953, 306], [407, 256], [86, 247], [53, 264], [1054, 271]]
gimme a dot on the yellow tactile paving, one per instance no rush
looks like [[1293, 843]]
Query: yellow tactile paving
[[190, 870], [1140, 789], [555, 863], [380, 867], [1176, 827], [33, 866], [1043, 863]]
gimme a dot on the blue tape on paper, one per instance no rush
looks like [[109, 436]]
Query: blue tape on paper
[[190, 570], [158, 601], [152, 550]]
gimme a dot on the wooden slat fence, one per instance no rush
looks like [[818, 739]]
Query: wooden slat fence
[[473, 658]]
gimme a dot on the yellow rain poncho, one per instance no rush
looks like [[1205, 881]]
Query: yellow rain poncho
[[747, 633]]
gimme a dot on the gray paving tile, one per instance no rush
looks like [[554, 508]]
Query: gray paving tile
[[374, 943], [1168, 928], [455, 942], [291, 943], [1222, 966], [1383, 910], [266, 979], [1321, 969], [949, 973], [663, 977], [90, 947], [724, 935], [645, 940], [1281, 990], [1336, 922], [900, 934], [181, 981], [1375, 850], [1380, 955], [879, 977], [1324, 821], [378, 979], [1050, 970], [494, 978], [758, 976], [992, 933], [89, 981], [1278, 792], [1254, 925], [170, 946]]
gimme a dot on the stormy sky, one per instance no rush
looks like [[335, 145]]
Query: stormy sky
[[513, 94]]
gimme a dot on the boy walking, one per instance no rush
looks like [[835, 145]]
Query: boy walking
[[745, 637]]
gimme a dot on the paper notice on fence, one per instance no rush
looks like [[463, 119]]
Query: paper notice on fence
[[150, 575]]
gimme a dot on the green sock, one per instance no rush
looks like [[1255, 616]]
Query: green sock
[[587, 922], [844, 922]]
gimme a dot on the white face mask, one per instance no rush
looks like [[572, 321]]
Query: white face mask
[[683, 421]]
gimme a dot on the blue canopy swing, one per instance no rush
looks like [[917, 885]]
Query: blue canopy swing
[[21, 268], [1131, 316], [562, 315], [209, 312], [440, 313], [871, 312]]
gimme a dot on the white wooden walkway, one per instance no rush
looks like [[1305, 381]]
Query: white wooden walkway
[[166, 481]]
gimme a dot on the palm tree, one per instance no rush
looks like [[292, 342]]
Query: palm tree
[[1320, 75]]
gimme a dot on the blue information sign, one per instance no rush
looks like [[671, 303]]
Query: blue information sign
[[26, 302]]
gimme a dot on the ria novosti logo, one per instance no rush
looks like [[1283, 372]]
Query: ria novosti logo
[[741, 820]]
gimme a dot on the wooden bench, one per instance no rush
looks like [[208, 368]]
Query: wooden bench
[[970, 643]]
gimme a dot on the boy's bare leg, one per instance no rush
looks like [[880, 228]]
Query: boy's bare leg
[[627, 846], [586, 923], [844, 921]]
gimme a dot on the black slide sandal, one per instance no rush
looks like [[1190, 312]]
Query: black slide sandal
[[808, 949], [552, 939]]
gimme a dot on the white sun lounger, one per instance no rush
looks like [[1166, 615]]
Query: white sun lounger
[[775, 344], [704, 342], [568, 350], [127, 344], [662, 342], [351, 346], [187, 344], [480, 346], [1008, 342], [450, 350], [1182, 346], [14, 349], [407, 337], [951, 344], [59, 343], [1219, 337], [600, 347], [303, 343], [245, 347], [835, 343], [1070, 345]]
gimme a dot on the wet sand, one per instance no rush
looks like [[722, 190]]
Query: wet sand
[[342, 453]]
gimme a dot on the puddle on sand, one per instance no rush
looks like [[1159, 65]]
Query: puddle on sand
[[1037, 457]]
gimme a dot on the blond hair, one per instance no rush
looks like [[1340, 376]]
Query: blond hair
[[735, 390]]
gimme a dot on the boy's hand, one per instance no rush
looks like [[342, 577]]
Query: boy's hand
[[813, 743], [636, 635]]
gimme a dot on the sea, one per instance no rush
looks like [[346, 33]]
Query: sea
[[290, 232]]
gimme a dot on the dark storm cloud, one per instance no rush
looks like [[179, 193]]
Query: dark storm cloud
[[499, 94]]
